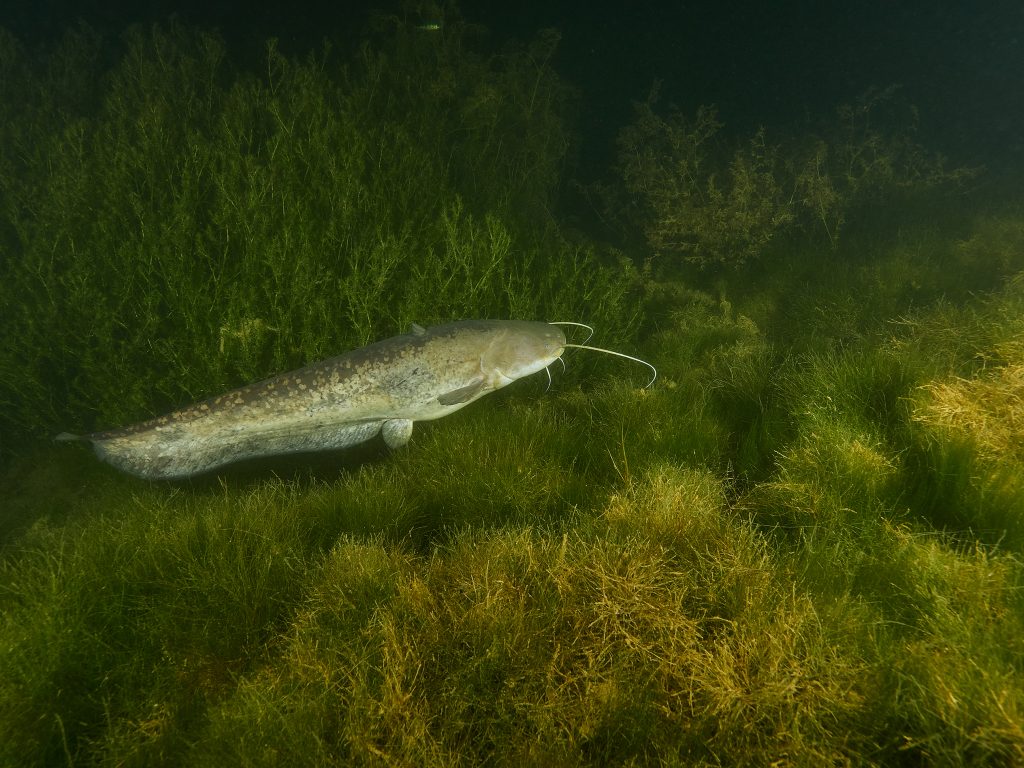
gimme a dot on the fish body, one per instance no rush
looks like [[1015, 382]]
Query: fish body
[[381, 388]]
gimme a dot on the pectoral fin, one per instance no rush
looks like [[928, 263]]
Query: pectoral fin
[[396, 432], [462, 394]]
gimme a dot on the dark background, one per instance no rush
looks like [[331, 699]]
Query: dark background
[[774, 64]]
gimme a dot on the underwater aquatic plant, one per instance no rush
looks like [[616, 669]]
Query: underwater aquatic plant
[[690, 198], [711, 203]]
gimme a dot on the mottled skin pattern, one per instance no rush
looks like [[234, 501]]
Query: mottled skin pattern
[[338, 402]]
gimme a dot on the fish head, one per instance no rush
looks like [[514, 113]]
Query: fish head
[[520, 348]]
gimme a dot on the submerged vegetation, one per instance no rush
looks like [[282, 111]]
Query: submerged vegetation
[[695, 198], [803, 546]]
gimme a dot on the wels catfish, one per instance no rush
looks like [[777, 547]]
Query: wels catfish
[[342, 401]]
